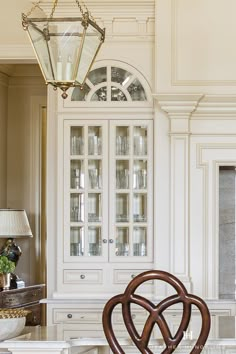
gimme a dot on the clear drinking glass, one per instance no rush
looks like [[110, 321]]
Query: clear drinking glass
[[122, 207], [139, 207], [140, 141], [95, 174], [76, 207], [122, 141], [77, 141], [76, 241], [94, 207], [140, 241], [122, 241], [94, 241]]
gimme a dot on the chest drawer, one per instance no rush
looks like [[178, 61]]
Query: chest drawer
[[34, 317], [19, 297]]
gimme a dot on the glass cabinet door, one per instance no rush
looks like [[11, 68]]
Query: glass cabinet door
[[85, 175], [130, 233], [108, 201]]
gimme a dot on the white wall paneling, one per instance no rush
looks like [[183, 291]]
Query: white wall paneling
[[193, 45], [179, 109], [202, 138], [207, 154]]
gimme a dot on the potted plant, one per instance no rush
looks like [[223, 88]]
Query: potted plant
[[6, 268]]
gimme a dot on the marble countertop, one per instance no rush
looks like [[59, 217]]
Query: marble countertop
[[53, 337]]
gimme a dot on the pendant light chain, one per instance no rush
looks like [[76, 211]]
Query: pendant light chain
[[85, 7], [53, 8], [36, 5]]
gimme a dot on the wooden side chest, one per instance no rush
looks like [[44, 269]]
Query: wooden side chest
[[28, 298]]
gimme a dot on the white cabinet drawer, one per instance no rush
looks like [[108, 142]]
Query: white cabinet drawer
[[82, 276], [138, 317], [124, 276], [73, 316]]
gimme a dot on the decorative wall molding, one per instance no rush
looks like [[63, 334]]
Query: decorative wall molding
[[179, 108], [128, 20], [17, 54], [216, 107], [179, 225], [178, 105], [32, 81], [209, 156], [176, 80], [197, 106]]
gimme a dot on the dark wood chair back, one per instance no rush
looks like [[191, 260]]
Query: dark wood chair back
[[156, 315]]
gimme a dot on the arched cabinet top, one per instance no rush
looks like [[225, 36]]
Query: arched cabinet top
[[112, 84]]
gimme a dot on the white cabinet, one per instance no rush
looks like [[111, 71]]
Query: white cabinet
[[106, 234]]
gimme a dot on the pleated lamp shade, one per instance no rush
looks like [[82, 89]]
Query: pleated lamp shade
[[14, 223]]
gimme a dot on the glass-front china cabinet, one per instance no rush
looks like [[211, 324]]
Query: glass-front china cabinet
[[105, 223]]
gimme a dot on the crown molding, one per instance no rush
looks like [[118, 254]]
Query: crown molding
[[197, 106], [13, 54], [178, 106]]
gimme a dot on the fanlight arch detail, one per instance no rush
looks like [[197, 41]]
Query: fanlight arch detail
[[113, 82]]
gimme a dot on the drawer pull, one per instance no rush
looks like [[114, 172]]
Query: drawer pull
[[133, 276], [82, 276], [82, 317], [69, 315]]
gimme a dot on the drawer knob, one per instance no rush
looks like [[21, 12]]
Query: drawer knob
[[111, 241], [69, 315], [132, 276], [133, 316], [82, 276], [104, 240]]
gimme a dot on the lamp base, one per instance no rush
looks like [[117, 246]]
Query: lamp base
[[5, 281], [11, 251]]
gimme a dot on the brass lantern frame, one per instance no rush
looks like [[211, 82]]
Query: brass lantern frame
[[85, 20]]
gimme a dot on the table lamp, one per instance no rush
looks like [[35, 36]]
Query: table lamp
[[13, 224]]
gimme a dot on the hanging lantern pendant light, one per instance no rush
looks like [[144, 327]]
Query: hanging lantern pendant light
[[65, 47]]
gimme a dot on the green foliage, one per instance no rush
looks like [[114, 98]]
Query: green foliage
[[6, 266]]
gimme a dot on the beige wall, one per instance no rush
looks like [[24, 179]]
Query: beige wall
[[3, 139], [21, 99]]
